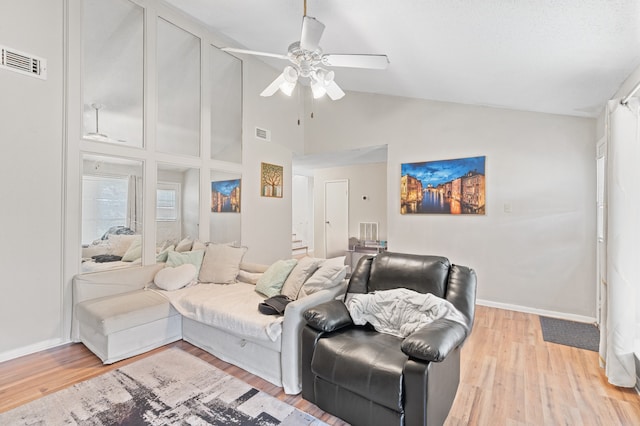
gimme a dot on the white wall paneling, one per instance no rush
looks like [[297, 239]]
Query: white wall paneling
[[47, 185]]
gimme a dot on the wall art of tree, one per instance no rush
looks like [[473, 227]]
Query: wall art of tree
[[271, 180]]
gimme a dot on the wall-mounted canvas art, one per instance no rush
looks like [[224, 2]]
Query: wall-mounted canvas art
[[271, 177], [225, 196], [443, 187]]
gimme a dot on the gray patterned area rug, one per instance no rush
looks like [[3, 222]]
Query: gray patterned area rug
[[168, 388]]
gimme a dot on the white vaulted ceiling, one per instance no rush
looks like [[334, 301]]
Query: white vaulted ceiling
[[555, 56]]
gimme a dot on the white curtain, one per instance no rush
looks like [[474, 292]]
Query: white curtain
[[134, 204], [619, 291]]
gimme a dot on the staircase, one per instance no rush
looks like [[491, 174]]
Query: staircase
[[297, 246]]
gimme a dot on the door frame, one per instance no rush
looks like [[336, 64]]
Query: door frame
[[601, 224]]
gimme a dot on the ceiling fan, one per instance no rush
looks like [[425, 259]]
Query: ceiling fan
[[308, 61]]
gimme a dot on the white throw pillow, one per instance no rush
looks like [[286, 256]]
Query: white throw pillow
[[184, 245], [134, 251], [175, 278], [198, 245], [221, 264], [329, 274], [119, 244], [302, 271]]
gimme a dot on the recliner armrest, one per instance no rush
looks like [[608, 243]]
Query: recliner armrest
[[433, 342], [328, 316]]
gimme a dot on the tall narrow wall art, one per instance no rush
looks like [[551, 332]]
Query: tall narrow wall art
[[225, 196]]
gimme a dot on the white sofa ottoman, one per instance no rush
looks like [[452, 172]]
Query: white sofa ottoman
[[123, 325]]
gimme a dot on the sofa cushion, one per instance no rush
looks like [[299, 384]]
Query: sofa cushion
[[221, 264], [365, 362], [164, 254], [300, 273], [175, 258], [111, 314], [119, 244], [232, 307], [198, 245], [134, 251], [184, 245], [271, 282], [330, 273]]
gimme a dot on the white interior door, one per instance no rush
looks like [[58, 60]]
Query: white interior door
[[336, 217]]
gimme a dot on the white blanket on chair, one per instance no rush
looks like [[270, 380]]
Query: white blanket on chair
[[400, 311]]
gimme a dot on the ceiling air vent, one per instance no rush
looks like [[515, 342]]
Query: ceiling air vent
[[24, 63], [263, 134]]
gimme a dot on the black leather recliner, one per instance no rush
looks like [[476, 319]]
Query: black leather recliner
[[369, 378]]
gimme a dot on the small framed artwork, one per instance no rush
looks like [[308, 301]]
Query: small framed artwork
[[271, 177], [443, 187], [225, 196]]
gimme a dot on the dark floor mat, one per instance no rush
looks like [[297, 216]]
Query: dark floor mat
[[570, 333]]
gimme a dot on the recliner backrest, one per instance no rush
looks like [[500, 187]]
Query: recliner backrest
[[388, 270]]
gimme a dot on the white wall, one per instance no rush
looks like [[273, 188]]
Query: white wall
[[368, 180], [302, 221], [31, 151], [540, 257], [266, 222]]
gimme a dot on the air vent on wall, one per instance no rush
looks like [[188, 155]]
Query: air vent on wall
[[24, 63], [368, 231], [263, 134]]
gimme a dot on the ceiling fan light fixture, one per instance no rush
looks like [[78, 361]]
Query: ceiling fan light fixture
[[290, 74], [289, 81], [324, 76], [318, 89], [287, 88]]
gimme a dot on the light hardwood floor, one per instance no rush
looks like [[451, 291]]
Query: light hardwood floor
[[510, 376]]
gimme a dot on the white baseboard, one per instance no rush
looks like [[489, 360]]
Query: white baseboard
[[542, 312], [27, 350]]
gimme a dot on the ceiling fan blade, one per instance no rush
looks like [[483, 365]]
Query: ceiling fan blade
[[312, 30], [377, 62], [274, 86], [253, 52], [334, 91]]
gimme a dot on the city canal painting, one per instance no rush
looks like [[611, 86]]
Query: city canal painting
[[225, 196], [443, 187]]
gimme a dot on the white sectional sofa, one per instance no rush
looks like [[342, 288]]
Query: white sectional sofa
[[121, 313]]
